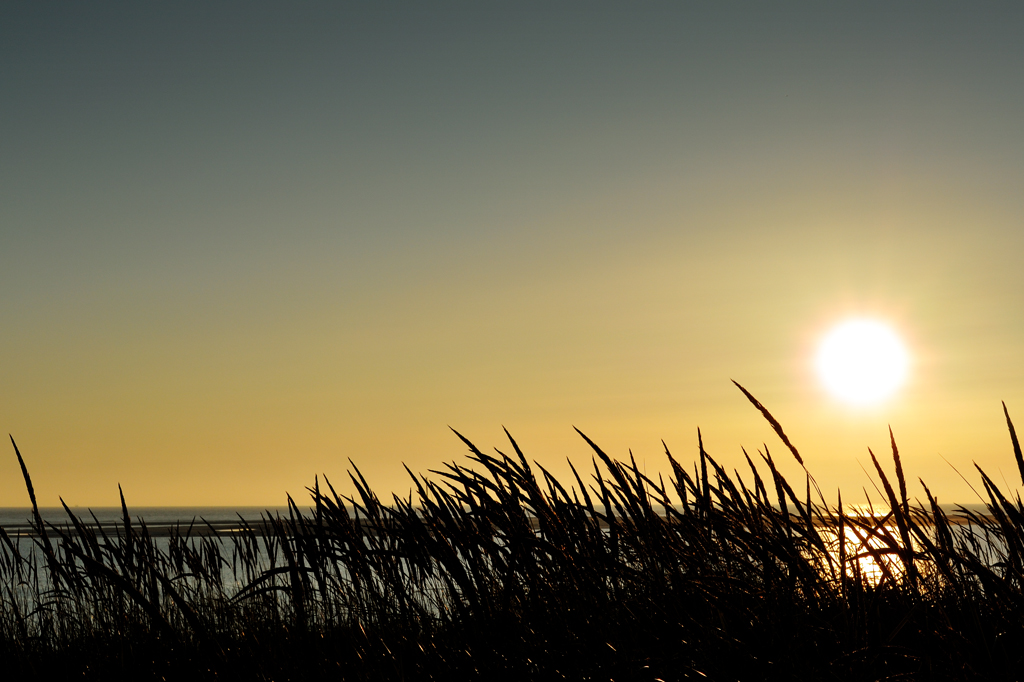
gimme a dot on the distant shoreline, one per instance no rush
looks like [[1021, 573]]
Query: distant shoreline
[[201, 525]]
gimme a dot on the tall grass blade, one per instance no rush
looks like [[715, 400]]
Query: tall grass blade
[[899, 471], [773, 421], [1016, 444]]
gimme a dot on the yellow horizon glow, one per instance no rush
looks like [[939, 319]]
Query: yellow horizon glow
[[233, 260]]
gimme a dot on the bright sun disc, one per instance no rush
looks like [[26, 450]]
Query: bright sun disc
[[862, 361]]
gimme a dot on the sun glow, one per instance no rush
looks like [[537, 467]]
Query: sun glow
[[862, 361]]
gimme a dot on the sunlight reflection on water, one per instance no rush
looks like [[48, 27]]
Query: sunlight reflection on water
[[870, 553]]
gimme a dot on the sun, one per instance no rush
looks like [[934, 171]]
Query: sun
[[862, 361]]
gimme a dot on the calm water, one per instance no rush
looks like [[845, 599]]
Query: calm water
[[16, 518], [16, 522]]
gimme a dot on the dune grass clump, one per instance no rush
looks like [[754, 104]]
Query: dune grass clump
[[494, 569]]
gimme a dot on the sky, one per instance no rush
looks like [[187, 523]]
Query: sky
[[243, 243]]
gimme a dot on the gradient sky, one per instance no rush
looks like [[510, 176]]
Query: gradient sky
[[242, 243]]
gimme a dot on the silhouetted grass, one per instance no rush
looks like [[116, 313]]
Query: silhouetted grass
[[494, 569]]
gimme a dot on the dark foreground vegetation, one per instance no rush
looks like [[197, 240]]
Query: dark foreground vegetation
[[494, 570]]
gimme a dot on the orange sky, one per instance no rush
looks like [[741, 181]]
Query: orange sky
[[238, 247]]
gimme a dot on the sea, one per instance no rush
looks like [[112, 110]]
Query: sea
[[17, 524], [18, 520]]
